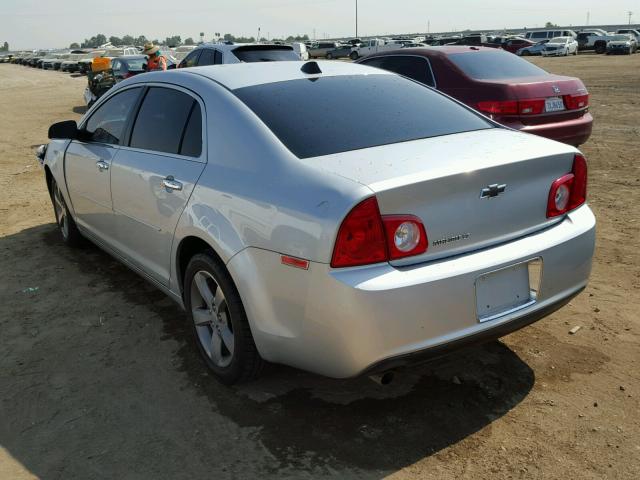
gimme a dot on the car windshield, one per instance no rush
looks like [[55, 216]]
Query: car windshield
[[322, 116], [265, 53], [490, 65], [560, 40], [114, 52]]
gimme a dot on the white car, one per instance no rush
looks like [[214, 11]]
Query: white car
[[560, 46], [250, 194]]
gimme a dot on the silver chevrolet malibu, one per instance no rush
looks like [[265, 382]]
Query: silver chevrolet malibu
[[329, 216]]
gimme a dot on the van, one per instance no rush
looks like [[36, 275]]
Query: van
[[544, 34]]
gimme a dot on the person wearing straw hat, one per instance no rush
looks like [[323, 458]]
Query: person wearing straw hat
[[155, 60]]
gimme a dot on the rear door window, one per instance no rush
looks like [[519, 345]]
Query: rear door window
[[341, 113], [416, 68], [191, 60], [108, 122], [207, 57], [162, 120], [494, 65]]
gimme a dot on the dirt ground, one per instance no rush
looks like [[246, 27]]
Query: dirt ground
[[99, 377]]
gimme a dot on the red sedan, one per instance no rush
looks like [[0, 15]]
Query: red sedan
[[506, 88]]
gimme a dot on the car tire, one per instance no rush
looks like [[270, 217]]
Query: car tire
[[525, 53], [65, 222], [329, 56], [219, 321], [354, 56], [600, 47]]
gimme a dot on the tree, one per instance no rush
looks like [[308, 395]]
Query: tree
[[189, 41], [96, 41], [172, 41], [115, 41], [140, 41], [229, 38], [550, 25], [5, 47], [128, 40], [74, 46]]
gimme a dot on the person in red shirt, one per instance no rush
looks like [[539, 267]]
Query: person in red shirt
[[155, 60]]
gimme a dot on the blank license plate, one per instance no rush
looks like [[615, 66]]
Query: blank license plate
[[504, 291], [553, 104]]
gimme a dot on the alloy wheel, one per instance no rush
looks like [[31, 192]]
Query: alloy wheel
[[212, 319], [61, 211]]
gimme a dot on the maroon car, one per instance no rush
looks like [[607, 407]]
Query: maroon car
[[503, 86], [514, 44]]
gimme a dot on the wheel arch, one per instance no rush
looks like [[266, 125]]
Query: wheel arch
[[188, 247]]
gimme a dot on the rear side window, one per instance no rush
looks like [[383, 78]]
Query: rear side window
[[326, 115], [490, 65], [162, 120], [107, 124], [191, 145], [416, 68], [539, 35], [265, 53]]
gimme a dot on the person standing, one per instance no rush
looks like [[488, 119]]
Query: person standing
[[155, 60]]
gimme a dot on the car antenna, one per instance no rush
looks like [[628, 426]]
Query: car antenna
[[311, 68]]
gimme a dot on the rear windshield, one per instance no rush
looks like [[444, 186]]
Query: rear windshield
[[135, 63], [487, 65], [265, 53], [326, 115]]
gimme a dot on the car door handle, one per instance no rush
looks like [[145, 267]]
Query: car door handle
[[102, 165], [171, 183]]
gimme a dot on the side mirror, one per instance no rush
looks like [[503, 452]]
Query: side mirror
[[67, 129]]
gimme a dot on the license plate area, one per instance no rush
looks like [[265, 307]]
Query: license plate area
[[553, 104], [508, 289]]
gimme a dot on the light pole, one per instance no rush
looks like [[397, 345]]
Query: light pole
[[356, 18], [629, 13]]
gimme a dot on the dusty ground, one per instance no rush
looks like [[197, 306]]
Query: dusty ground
[[100, 379]]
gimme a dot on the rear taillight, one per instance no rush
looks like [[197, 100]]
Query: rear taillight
[[366, 237], [576, 102], [534, 106], [508, 107], [569, 191], [128, 75], [406, 235]]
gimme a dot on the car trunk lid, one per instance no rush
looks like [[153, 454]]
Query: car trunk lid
[[471, 190]]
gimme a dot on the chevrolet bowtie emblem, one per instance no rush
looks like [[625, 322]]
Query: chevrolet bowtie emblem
[[494, 190]]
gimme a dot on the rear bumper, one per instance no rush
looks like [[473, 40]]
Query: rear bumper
[[572, 132], [345, 322]]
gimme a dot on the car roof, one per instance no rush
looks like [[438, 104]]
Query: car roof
[[240, 75], [130, 57], [225, 47], [436, 51]]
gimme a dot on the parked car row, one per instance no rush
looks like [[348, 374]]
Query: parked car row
[[250, 194]]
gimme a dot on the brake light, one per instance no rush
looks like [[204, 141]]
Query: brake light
[[508, 107], [569, 191], [128, 75], [366, 237], [361, 237], [534, 106], [576, 102]]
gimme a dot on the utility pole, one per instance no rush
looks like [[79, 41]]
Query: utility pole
[[356, 18], [428, 27], [258, 39], [588, 14], [629, 13]]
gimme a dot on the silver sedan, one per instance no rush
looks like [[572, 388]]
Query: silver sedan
[[328, 216]]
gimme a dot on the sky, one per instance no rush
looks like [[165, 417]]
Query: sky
[[57, 23]]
